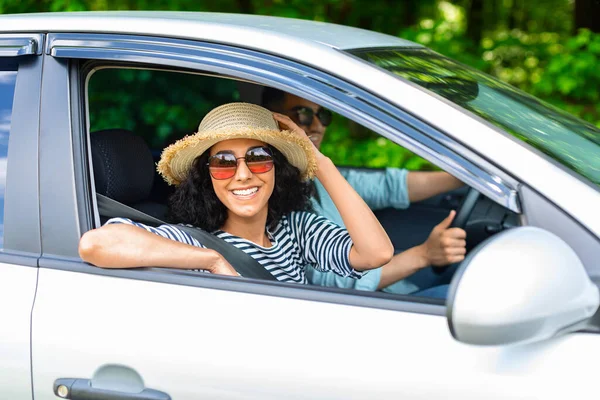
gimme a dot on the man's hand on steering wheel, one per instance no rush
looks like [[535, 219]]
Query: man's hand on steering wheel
[[445, 245]]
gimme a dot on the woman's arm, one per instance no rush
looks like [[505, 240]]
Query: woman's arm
[[128, 246], [372, 247]]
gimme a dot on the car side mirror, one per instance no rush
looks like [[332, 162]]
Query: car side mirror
[[522, 285]]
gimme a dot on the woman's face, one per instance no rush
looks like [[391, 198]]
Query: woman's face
[[245, 194]]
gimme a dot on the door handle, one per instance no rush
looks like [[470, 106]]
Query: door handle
[[81, 389]]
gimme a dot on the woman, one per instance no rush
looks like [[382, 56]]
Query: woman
[[243, 179]]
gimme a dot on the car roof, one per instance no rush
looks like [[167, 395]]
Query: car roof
[[232, 28]]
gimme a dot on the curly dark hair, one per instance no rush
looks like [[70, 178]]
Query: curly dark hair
[[195, 201]]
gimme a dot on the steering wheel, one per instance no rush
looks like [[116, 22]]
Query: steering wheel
[[460, 219], [465, 209]]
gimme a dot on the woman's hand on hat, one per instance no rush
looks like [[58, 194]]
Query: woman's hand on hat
[[287, 123]]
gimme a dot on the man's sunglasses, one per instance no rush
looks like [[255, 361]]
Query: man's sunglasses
[[305, 115], [224, 165]]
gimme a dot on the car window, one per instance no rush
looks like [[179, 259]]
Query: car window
[[8, 78], [158, 107], [568, 140], [350, 144]]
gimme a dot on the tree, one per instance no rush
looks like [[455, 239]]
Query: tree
[[475, 21], [587, 13]]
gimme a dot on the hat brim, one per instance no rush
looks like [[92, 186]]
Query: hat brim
[[177, 159]]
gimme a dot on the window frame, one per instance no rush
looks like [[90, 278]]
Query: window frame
[[66, 51]]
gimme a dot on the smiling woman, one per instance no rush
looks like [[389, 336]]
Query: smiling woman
[[209, 197], [246, 181]]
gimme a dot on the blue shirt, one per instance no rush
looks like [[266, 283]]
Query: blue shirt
[[379, 189]]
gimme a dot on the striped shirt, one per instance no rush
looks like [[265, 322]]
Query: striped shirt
[[300, 239]]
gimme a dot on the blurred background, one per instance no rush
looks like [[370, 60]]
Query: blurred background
[[549, 48]]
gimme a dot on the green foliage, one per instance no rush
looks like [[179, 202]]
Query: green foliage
[[558, 68], [349, 144], [446, 35], [527, 44], [160, 106], [571, 78]]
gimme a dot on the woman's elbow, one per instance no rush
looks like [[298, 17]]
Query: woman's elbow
[[388, 254], [376, 258], [382, 256], [91, 246]]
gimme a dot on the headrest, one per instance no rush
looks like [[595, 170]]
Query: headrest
[[123, 165]]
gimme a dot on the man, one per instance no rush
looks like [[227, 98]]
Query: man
[[390, 188]]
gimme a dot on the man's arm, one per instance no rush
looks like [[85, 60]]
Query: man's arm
[[398, 187], [128, 246], [423, 185], [444, 246], [380, 188]]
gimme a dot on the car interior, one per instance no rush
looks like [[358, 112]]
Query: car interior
[[135, 113]]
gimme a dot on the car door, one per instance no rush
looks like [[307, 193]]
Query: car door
[[20, 77], [151, 333]]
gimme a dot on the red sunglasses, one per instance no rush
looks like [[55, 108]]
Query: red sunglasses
[[224, 165]]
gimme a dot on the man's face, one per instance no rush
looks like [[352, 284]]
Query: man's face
[[292, 105]]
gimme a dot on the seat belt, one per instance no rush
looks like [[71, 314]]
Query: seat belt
[[243, 263]]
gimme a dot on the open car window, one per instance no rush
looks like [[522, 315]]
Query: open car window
[[135, 113]]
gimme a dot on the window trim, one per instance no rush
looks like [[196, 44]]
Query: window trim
[[21, 44]]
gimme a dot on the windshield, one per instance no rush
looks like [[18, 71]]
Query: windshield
[[570, 141]]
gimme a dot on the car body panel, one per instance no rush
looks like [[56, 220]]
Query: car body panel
[[17, 292], [250, 346], [223, 28], [20, 231]]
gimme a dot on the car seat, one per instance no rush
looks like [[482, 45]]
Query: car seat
[[124, 170]]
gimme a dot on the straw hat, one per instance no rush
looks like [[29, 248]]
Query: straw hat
[[236, 121]]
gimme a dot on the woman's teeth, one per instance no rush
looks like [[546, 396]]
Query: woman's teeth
[[245, 192]]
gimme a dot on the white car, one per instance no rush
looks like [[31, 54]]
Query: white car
[[520, 320]]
